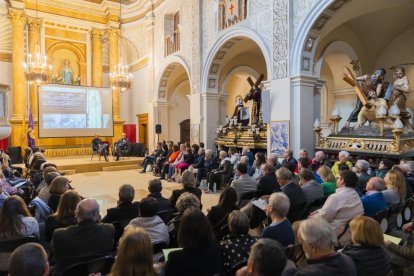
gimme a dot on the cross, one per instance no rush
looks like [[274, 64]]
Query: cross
[[257, 83], [231, 8]]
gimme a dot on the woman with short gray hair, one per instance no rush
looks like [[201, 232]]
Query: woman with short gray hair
[[318, 240], [280, 229]]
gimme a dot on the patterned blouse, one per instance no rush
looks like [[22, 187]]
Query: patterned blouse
[[235, 248]]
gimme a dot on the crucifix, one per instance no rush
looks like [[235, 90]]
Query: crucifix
[[255, 94], [232, 6]]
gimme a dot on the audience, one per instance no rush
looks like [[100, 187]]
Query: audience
[[86, 240], [293, 192], [246, 152], [188, 182], [58, 187], [311, 189], [44, 193], [267, 183], [373, 200], [15, 222], [343, 158], [361, 168], [384, 166], [396, 188], [150, 159], [200, 254], [43, 183], [318, 240], [150, 222], [366, 248], [235, 246], [222, 174], [328, 184], [280, 229], [163, 168], [245, 183], [134, 254], [125, 209], [218, 214], [155, 188], [267, 258], [305, 162], [342, 206], [65, 214], [29, 259], [318, 161], [289, 162], [257, 168]]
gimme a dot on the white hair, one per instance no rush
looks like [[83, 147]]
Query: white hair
[[317, 231], [280, 204], [344, 153], [244, 159], [209, 152], [363, 165]]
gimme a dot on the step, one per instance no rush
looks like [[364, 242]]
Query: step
[[68, 172], [120, 168]]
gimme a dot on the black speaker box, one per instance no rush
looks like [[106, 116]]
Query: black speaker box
[[158, 129]]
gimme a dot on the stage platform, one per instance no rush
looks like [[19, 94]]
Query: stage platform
[[82, 164]]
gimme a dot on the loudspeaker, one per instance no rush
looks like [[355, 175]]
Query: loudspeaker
[[158, 129]]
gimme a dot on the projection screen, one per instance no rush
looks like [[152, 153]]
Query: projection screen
[[74, 111]]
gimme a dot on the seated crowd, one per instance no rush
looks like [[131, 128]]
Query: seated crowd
[[295, 217]]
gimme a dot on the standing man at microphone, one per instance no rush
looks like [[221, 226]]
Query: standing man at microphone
[[120, 145]]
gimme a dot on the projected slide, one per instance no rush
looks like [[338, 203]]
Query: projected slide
[[73, 111]]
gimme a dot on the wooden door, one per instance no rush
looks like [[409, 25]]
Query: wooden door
[[143, 129], [185, 131]]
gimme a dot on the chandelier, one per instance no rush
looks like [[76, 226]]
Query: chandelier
[[120, 78], [36, 69]]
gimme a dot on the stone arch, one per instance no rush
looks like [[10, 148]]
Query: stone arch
[[211, 72], [308, 34], [163, 77]]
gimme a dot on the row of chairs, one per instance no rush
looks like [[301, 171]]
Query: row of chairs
[[395, 216]]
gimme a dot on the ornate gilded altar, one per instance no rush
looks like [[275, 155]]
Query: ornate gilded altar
[[240, 136]]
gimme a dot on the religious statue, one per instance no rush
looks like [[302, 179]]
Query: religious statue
[[398, 97], [374, 91], [255, 95], [67, 73], [241, 112]]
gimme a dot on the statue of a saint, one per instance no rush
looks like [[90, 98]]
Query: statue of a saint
[[241, 112], [398, 98], [256, 96], [67, 73]]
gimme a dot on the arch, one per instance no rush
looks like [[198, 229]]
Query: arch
[[226, 41], [67, 45], [165, 71], [236, 70], [309, 33]]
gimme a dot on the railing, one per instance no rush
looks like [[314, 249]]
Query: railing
[[172, 43]]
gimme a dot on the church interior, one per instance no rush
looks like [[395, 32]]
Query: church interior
[[266, 93]]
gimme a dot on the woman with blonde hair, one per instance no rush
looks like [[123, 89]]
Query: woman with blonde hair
[[65, 214], [329, 181], [396, 187], [134, 255], [366, 248], [57, 188]]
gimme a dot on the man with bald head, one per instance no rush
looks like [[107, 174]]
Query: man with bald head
[[84, 241], [373, 200]]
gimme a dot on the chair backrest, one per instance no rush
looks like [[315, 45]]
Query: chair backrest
[[381, 217], [407, 212], [11, 245], [157, 247], [119, 226], [245, 197], [101, 264]]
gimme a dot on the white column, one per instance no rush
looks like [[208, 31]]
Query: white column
[[210, 118], [152, 114], [303, 112]]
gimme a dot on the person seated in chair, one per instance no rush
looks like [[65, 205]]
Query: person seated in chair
[[125, 209], [225, 169], [150, 159], [99, 146], [244, 183], [29, 259], [121, 144]]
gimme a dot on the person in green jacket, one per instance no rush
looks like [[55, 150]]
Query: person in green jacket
[[329, 183]]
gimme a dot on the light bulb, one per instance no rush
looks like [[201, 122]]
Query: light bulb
[[317, 123], [381, 111], [398, 124]]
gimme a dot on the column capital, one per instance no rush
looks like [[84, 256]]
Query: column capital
[[17, 17], [96, 35], [304, 81], [113, 34], [34, 24]]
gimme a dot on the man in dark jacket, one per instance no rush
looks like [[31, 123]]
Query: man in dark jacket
[[125, 209], [293, 192], [223, 172], [361, 169], [267, 183], [85, 241], [155, 188], [289, 162]]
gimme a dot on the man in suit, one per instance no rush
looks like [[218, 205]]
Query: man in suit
[[267, 183], [245, 183], [84, 241], [125, 210], [155, 188], [293, 192], [311, 189], [121, 144]]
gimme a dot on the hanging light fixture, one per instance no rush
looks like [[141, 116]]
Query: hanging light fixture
[[120, 77], [36, 68]]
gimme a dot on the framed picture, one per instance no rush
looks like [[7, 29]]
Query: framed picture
[[279, 137]]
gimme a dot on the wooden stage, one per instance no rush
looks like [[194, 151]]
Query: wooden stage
[[81, 164]]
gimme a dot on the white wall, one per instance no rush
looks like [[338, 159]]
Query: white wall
[[6, 79], [178, 110]]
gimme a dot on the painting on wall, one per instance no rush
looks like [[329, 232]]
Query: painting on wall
[[279, 135]]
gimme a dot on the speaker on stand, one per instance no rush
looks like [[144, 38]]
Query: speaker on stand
[[158, 131]]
